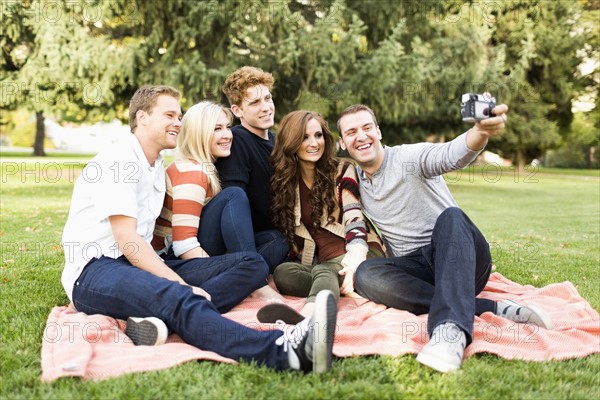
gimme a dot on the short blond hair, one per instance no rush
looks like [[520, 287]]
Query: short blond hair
[[145, 99], [238, 82]]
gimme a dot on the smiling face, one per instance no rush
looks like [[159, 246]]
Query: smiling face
[[313, 145], [257, 111], [162, 123], [220, 143], [361, 137]]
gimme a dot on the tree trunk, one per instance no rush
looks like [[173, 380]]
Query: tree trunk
[[520, 161], [40, 135]]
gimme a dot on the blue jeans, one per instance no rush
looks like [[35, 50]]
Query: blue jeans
[[226, 226], [226, 223], [441, 278], [120, 290], [273, 246]]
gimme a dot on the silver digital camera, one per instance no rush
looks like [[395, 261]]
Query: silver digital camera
[[476, 107]]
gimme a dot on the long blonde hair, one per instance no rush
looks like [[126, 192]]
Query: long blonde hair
[[193, 142]]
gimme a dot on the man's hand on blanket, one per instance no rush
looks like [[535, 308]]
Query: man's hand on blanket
[[201, 292]]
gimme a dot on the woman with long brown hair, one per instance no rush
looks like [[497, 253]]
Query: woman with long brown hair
[[316, 205]]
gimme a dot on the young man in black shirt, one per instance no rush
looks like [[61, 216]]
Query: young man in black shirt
[[248, 90]]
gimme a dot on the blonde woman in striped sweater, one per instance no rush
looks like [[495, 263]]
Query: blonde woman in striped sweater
[[316, 204], [198, 219]]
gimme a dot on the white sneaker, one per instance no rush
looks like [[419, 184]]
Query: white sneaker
[[310, 342], [523, 314], [149, 331], [445, 350]]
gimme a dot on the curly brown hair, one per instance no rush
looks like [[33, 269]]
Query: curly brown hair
[[286, 173], [240, 80]]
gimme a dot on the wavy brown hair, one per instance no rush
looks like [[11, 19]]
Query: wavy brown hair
[[286, 172]]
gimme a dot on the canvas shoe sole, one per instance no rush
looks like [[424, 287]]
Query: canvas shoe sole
[[323, 331], [149, 331], [434, 359], [274, 312]]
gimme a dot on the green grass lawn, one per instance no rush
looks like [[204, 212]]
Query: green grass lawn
[[543, 227]]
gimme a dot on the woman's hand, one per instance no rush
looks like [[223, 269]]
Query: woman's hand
[[347, 286]]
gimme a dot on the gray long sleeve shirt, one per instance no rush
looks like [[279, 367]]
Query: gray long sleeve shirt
[[407, 194]]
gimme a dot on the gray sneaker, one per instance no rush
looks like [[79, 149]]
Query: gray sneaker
[[310, 342], [445, 350], [523, 314], [149, 331]]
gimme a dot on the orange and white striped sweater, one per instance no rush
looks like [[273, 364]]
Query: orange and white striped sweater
[[188, 191]]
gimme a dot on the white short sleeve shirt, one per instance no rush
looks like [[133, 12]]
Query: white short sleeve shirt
[[118, 181]]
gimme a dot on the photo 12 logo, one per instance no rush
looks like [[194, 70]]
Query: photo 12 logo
[[50, 92], [86, 11], [489, 12], [38, 172]]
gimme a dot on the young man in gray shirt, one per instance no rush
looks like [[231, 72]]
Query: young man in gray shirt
[[439, 260]]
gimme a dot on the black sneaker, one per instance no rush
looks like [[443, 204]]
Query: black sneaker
[[274, 312], [311, 341], [149, 331]]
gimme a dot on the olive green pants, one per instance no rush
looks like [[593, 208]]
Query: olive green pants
[[300, 280]]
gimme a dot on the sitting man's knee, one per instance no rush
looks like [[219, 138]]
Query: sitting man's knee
[[362, 273], [452, 214], [257, 261]]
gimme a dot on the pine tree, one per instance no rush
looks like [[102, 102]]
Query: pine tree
[[53, 64], [543, 46]]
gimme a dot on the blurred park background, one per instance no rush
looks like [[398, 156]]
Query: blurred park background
[[74, 63]]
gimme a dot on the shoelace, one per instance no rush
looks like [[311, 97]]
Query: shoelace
[[292, 335]]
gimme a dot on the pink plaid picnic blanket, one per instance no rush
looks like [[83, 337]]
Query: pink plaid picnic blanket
[[95, 346]]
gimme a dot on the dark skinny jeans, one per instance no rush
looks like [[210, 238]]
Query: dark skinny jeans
[[441, 278]]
